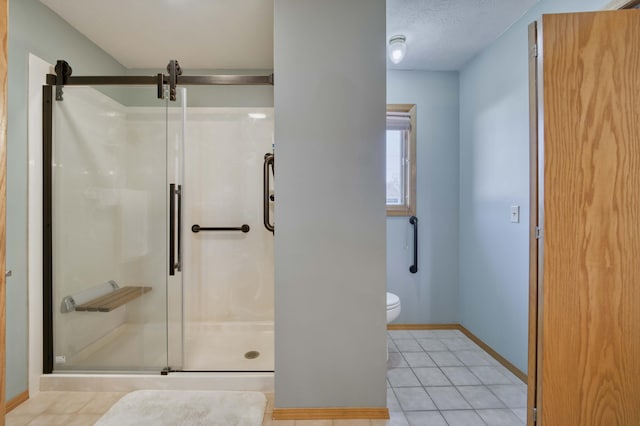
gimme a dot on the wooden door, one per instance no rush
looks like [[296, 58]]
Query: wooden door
[[3, 193], [533, 223], [589, 293]]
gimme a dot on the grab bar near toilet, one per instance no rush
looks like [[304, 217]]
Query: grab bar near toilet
[[414, 221]]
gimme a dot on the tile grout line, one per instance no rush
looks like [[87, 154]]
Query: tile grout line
[[474, 348]]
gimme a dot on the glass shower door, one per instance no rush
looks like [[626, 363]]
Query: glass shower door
[[175, 132], [111, 170]]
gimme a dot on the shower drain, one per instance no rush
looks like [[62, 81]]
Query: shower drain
[[252, 355]]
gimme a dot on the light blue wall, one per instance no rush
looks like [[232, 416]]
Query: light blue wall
[[494, 174], [431, 295], [36, 29]]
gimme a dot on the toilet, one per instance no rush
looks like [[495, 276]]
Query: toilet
[[393, 310], [393, 307]]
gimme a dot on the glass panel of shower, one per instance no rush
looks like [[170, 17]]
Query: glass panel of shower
[[158, 222], [115, 188]]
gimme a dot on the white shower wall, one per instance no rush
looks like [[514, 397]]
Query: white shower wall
[[228, 276]]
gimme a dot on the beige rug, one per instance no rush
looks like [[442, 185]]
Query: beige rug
[[192, 408]]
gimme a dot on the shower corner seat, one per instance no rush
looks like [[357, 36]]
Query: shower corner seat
[[113, 300]]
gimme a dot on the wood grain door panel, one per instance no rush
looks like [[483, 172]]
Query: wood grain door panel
[[533, 223], [3, 198], [590, 342]]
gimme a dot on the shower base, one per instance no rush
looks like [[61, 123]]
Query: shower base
[[214, 359], [129, 347], [208, 346], [229, 346]]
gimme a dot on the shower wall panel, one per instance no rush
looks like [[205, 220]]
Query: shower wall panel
[[228, 276], [146, 164]]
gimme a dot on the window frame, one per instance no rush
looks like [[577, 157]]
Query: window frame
[[408, 208]]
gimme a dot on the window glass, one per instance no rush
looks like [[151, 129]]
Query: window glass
[[395, 169], [400, 160]]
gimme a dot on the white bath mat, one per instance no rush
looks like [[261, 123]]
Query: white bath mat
[[192, 408]]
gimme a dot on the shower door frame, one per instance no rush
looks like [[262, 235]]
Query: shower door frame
[[63, 78]]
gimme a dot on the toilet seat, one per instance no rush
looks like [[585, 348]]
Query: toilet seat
[[393, 301], [393, 307]]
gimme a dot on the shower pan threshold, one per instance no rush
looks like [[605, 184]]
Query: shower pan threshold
[[240, 381]]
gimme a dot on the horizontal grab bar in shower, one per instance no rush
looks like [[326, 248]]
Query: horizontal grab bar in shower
[[197, 228]]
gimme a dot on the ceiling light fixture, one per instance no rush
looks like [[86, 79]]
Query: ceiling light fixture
[[258, 115], [397, 48]]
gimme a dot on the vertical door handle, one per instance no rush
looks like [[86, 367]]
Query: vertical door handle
[[172, 229], [414, 221], [268, 161], [175, 212], [178, 266]]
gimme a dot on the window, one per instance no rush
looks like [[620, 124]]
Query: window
[[401, 160]]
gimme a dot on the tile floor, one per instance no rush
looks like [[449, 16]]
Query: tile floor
[[435, 378], [63, 408], [442, 378], [85, 408]]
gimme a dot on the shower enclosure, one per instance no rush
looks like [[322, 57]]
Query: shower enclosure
[[155, 257]]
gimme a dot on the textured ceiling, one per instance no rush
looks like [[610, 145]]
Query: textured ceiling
[[238, 34], [446, 34]]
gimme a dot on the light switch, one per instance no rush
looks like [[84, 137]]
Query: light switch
[[515, 214]]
